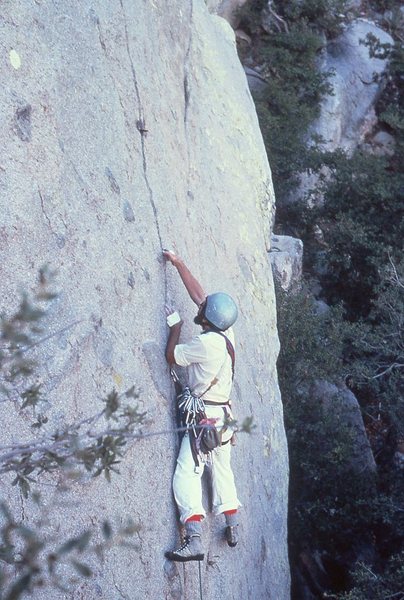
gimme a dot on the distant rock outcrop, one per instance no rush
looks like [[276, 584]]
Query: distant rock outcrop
[[127, 127], [348, 115], [228, 9], [286, 256], [346, 411]]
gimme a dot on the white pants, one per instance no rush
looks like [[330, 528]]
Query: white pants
[[187, 483]]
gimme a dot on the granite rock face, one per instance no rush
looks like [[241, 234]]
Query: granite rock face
[[128, 128]]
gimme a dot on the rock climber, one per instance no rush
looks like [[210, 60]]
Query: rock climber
[[209, 371]]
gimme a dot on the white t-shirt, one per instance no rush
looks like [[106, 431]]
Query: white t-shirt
[[206, 357]]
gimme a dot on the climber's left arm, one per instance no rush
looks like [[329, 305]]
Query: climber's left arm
[[173, 339]]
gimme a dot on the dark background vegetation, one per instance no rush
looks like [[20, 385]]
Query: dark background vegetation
[[349, 525]]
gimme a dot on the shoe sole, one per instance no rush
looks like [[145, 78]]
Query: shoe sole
[[232, 545], [175, 558]]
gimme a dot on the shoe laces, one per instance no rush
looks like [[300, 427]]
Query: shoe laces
[[183, 546], [187, 540], [184, 543]]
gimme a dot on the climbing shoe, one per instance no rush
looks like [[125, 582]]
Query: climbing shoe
[[231, 533], [191, 549]]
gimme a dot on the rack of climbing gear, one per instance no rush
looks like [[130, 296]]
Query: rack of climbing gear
[[191, 415], [192, 409]]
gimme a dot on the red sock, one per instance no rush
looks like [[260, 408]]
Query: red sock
[[194, 518], [230, 512]]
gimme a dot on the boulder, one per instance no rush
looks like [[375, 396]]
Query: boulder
[[228, 9], [399, 454], [127, 128], [286, 257], [382, 144], [256, 82], [346, 410], [321, 308]]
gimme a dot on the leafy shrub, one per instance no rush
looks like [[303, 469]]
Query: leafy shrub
[[362, 225], [324, 492], [361, 217], [290, 103], [288, 58], [377, 356], [332, 506], [326, 16], [311, 344], [389, 584], [353, 244], [32, 556]]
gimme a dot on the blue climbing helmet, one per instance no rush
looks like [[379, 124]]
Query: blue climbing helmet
[[220, 310]]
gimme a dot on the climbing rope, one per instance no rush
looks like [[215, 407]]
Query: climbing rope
[[200, 579]]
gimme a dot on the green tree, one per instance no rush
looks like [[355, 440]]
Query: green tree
[[288, 57]]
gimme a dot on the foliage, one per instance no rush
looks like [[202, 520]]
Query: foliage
[[383, 5], [361, 217], [19, 333], [95, 444], [333, 505], [353, 247], [379, 586], [31, 556], [91, 446], [325, 16], [329, 501], [377, 356], [311, 344], [79, 445], [290, 103], [361, 225], [288, 58]]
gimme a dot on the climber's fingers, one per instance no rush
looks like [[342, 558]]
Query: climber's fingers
[[170, 255], [169, 309]]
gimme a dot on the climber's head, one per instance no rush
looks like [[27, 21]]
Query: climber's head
[[218, 311]]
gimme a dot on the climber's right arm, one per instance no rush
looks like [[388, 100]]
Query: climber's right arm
[[193, 286]]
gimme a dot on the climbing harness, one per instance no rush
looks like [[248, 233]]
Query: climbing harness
[[191, 413], [203, 435]]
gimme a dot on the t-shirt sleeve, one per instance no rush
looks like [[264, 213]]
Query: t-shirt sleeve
[[194, 352]]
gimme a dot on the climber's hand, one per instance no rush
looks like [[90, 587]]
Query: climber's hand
[[173, 317], [174, 320], [171, 256], [169, 309]]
